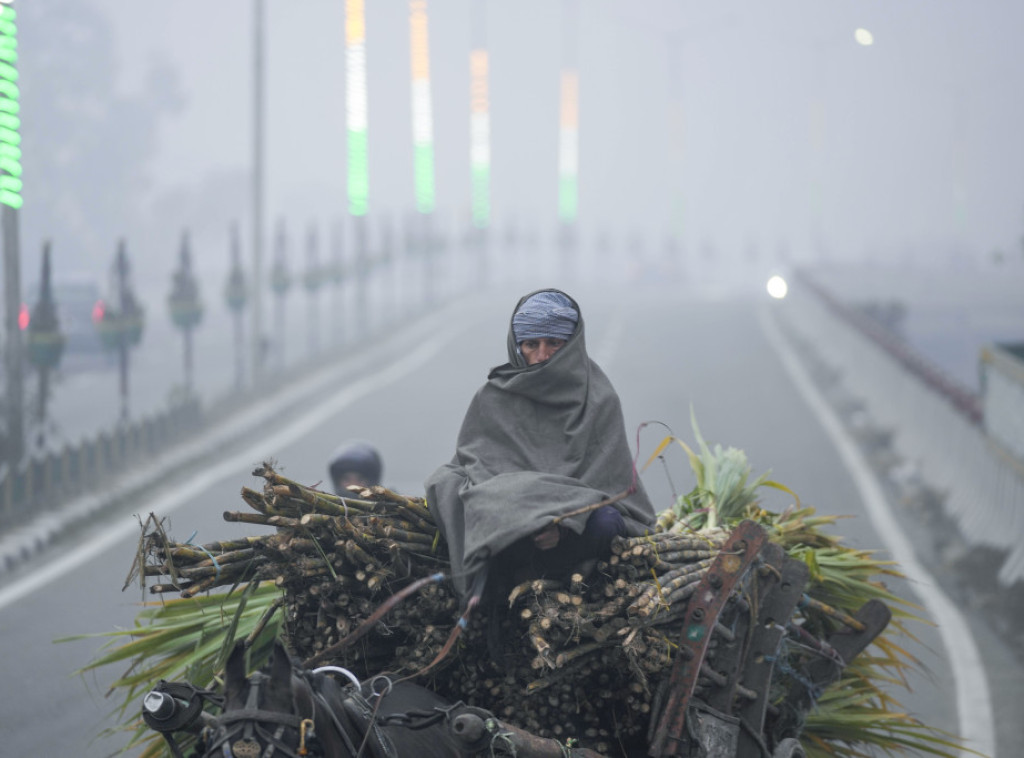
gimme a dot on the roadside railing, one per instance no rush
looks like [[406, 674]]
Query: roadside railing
[[387, 288], [41, 482], [936, 422]]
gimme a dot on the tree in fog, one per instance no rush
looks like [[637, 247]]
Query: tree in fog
[[86, 145]]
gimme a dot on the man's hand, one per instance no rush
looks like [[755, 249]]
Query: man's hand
[[547, 537]]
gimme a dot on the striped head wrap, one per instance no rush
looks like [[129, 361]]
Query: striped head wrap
[[546, 314]]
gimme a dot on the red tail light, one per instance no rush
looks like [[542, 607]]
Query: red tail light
[[98, 310], [23, 317]]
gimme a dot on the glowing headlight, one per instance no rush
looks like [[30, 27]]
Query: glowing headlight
[[777, 287]]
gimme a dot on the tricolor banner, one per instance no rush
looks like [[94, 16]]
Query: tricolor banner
[[479, 139], [568, 148], [422, 115], [355, 107]]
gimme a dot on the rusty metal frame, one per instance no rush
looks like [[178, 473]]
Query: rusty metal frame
[[729, 567]]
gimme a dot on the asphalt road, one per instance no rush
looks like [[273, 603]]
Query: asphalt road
[[665, 350]]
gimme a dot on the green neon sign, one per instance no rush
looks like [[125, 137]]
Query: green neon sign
[[10, 123]]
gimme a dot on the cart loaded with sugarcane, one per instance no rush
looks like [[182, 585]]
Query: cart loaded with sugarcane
[[728, 631]]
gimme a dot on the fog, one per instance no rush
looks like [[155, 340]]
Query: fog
[[741, 126], [749, 132]]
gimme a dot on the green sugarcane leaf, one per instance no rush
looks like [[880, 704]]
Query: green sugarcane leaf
[[227, 645]]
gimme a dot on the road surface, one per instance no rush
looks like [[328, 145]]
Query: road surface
[[665, 350]]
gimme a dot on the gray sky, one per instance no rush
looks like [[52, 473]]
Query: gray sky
[[736, 124]]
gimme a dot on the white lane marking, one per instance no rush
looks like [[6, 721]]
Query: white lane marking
[[973, 702], [188, 489]]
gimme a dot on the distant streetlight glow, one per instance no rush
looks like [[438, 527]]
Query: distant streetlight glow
[[777, 287], [864, 37]]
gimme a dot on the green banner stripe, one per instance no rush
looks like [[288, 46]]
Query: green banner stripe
[[10, 165], [423, 163], [13, 199], [358, 173], [10, 136], [481, 190]]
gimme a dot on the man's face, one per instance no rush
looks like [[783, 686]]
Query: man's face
[[540, 349]]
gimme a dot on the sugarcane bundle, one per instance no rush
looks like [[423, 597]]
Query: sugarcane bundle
[[359, 583], [334, 558], [338, 560], [585, 654]]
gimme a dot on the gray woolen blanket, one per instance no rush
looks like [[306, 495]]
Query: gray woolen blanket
[[536, 442]]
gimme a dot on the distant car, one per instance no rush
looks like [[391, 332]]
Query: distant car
[[79, 306]]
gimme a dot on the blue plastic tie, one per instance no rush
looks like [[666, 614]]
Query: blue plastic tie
[[212, 558]]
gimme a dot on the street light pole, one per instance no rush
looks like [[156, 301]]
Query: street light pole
[[280, 283], [122, 321], [312, 279], [235, 294], [257, 193], [185, 305], [13, 351], [44, 344], [337, 277]]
